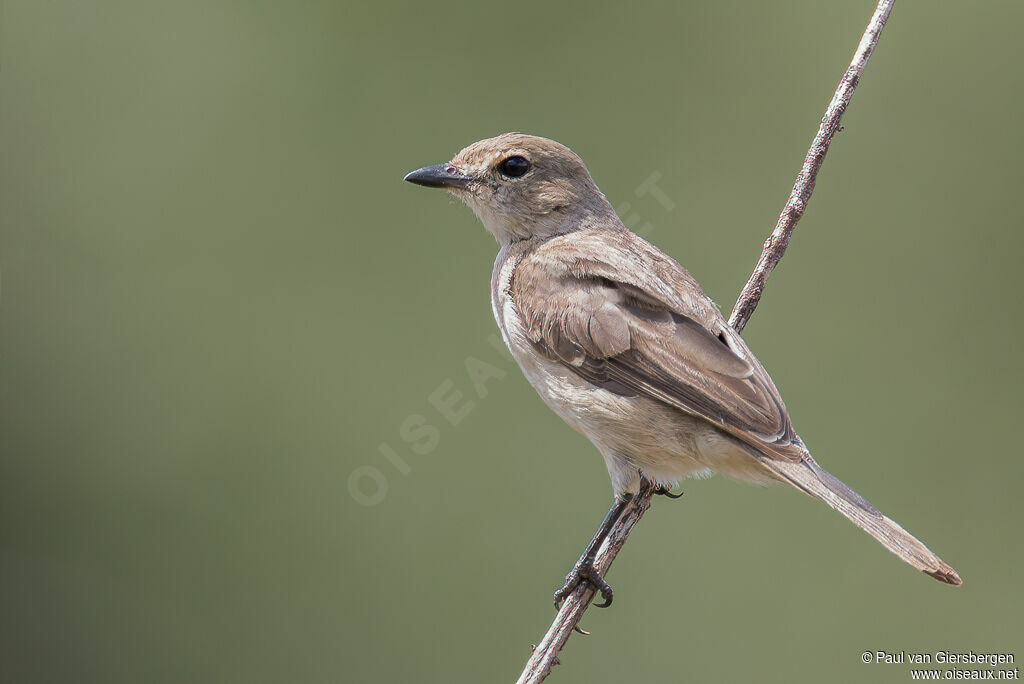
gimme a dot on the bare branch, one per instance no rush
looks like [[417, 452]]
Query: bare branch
[[545, 654], [776, 244]]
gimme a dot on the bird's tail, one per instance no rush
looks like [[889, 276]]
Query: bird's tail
[[812, 479]]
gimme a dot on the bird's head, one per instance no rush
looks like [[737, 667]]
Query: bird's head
[[520, 186]]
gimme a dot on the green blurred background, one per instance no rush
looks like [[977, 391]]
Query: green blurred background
[[219, 300]]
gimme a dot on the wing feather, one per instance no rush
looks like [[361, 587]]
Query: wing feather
[[626, 338]]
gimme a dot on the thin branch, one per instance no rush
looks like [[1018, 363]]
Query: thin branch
[[776, 244], [545, 654]]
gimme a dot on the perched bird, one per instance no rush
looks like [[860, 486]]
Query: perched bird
[[622, 343]]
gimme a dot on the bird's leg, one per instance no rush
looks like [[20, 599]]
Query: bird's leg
[[584, 570]]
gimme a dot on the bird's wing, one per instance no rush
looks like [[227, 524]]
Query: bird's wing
[[611, 316]]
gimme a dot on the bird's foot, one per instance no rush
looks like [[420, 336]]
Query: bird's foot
[[665, 491], [584, 571]]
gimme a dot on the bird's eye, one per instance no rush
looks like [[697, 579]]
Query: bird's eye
[[514, 167]]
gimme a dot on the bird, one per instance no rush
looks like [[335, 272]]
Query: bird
[[622, 343]]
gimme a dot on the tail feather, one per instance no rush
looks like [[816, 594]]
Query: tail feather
[[810, 478]]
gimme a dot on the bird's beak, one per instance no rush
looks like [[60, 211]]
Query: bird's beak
[[439, 176]]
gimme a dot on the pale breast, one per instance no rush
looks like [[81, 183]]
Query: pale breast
[[561, 390]]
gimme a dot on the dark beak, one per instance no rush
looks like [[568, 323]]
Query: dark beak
[[439, 176]]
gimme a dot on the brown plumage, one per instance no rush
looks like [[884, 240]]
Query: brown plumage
[[623, 344]]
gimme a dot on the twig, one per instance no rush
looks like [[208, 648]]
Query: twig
[[545, 654], [776, 244]]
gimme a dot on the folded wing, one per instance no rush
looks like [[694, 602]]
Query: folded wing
[[619, 336]]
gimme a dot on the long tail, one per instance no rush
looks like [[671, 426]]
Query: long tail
[[812, 479]]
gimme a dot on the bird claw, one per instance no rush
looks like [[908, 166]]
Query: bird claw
[[585, 572], [664, 491]]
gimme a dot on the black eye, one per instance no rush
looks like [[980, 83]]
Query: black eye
[[514, 167]]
